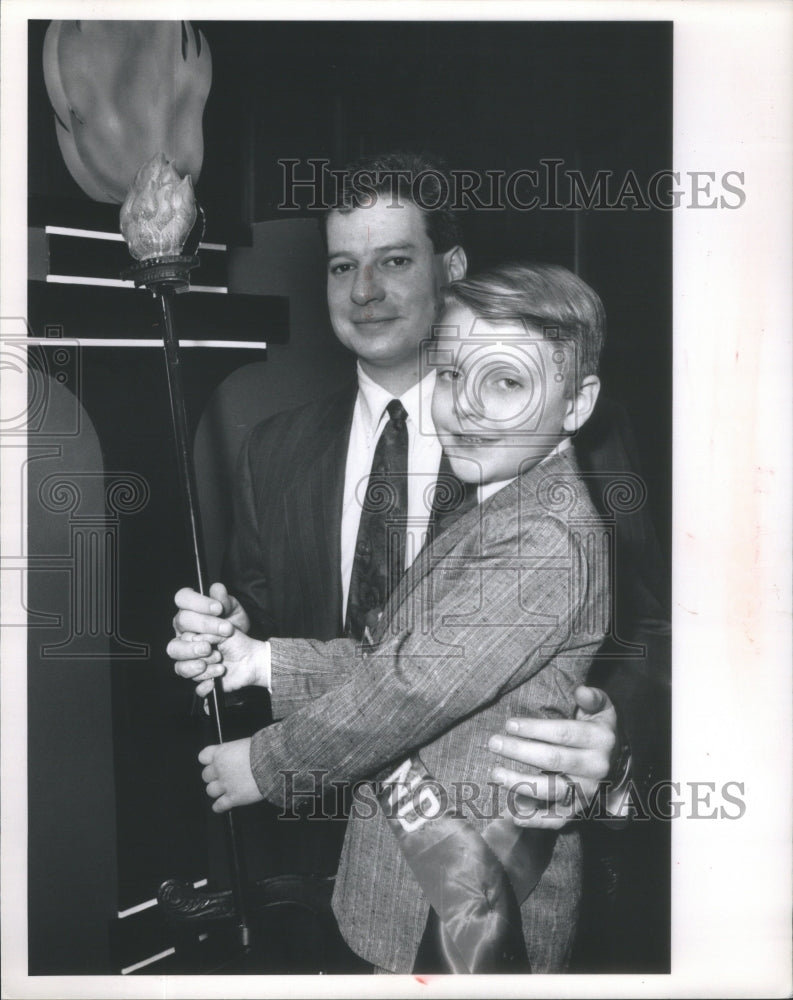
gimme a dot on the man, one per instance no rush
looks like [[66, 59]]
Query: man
[[297, 499]]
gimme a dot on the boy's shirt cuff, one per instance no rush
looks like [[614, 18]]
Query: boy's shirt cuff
[[267, 666]]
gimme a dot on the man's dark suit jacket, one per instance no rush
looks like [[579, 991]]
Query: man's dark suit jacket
[[283, 562]]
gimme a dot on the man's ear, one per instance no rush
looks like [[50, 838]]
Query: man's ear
[[579, 409], [455, 264]]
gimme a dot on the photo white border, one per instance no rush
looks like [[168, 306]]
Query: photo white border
[[733, 362]]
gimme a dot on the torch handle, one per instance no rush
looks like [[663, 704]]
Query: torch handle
[[187, 481], [186, 468]]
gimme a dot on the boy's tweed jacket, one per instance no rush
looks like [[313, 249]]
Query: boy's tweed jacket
[[500, 616]]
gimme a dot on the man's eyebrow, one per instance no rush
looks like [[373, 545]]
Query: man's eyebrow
[[386, 248], [407, 245]]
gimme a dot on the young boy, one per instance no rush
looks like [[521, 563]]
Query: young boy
[[499, 616]]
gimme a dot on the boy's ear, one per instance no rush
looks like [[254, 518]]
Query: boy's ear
[[579, 409], [455, 264]]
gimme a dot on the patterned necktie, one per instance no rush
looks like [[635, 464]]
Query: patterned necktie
[[380, 548]]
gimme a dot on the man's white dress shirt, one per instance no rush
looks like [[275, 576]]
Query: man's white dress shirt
[[424, 458]]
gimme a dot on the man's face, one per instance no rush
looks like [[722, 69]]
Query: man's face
[[498, 405], [383, 284]]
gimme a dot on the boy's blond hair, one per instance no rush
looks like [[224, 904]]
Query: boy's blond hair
[[546, 298]]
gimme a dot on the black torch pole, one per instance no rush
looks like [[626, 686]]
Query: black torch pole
[[187, 479], [165, 277]]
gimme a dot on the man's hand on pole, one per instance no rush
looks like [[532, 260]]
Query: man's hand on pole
[[211, 641], [200, 614]]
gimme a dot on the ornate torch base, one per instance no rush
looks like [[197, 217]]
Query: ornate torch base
[[161, 273]]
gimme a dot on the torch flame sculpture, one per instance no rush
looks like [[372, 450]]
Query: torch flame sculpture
[[159, 211]]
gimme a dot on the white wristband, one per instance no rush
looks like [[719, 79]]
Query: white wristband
[[266, 674]]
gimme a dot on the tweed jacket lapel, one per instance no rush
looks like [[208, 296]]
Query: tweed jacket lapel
[[312, 508], [525, 485]]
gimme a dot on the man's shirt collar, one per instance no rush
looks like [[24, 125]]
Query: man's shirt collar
[[374, 399]]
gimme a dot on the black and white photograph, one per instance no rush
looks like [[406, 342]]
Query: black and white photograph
[[396, 499]]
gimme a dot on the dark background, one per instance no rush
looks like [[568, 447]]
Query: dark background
[[485, 96]]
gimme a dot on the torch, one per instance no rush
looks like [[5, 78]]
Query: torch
[[163, 226], [126, 93]]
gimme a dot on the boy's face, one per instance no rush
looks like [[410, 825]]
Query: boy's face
[[502, 401]]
